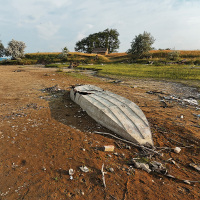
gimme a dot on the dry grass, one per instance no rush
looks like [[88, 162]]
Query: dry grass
[[183, 53]]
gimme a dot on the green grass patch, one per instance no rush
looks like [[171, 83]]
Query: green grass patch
[[175, 72], [56, 65]]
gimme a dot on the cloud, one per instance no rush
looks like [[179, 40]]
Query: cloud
[[47, 30], [83, 32], [171, 22]]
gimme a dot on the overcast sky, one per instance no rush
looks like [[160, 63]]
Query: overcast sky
[[50, 25]]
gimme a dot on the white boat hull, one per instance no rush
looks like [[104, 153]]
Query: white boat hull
[[114, 112]]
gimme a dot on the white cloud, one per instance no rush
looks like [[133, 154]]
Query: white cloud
[[171, 22], [47, 30], [83, 32]]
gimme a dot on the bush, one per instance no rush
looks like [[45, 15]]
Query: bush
[[159, 63], [173, 55], [18, 62], [197, 62], [52, 65]]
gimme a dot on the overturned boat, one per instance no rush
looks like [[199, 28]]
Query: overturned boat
[[114, 112]]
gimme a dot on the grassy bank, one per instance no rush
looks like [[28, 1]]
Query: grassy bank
[[174, 72]]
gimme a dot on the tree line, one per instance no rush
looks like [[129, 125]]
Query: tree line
[[109, 39]]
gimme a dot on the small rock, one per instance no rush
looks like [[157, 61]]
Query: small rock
[[84, 169], [123, 155], [44, 168], [182, 117], [111, 169], [128, 147], [177, 149], [142, 166], [71, 172]]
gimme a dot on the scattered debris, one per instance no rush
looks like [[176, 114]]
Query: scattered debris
[[142, 166], [197, 115], [182, 117], [170, 160], [158, 167], [117, 81], [52, 89], [19, 70], [111, 169], [44, 168], [195, 166], [155, 92], [191, 101], [128, 147], [84, 169], [186, 181], [71, 173], [103, 177], [109, 148], [149, 150], [163, 103], [177, 149]]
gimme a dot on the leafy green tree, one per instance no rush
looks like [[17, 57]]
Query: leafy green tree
[[106, 39], [15, 49], [141, 44], [2, 49]]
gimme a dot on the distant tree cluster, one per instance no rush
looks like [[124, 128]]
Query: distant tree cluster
[[106, 39], [15, 49], [140, 46]]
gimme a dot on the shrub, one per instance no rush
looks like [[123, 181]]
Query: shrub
[[197, 62], [52, 65], [173, 55], [18, 62]]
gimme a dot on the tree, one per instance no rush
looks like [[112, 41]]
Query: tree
[[64, 54], [2, 49], [15, 49], [141, 44], [106, 39]]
